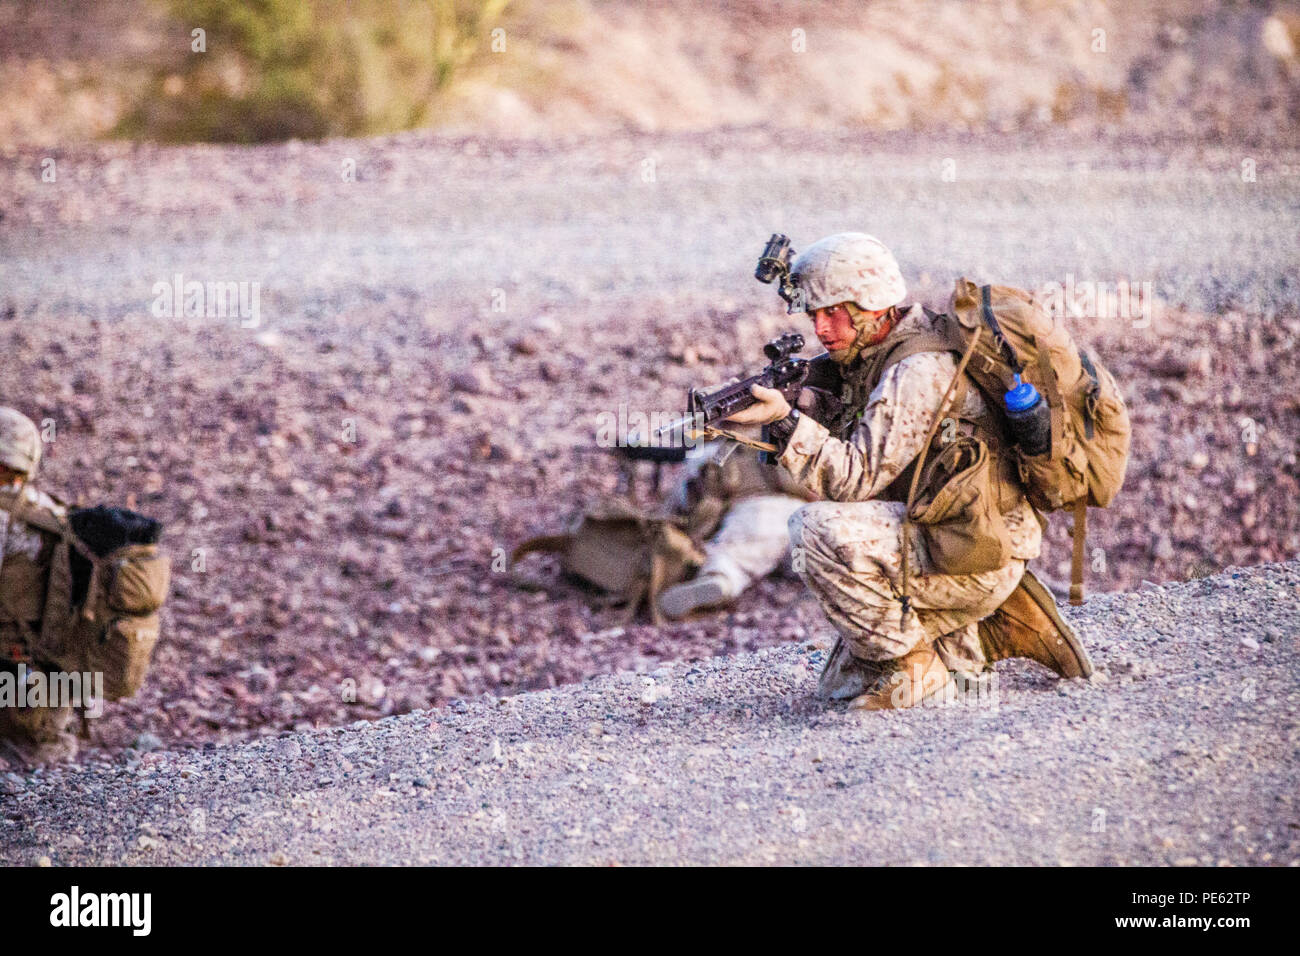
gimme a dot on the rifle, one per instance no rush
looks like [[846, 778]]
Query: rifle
[[785, 372], [707, 408], [632, 454]]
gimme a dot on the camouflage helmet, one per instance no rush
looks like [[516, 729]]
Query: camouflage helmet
[[848, 267], [20, 442]]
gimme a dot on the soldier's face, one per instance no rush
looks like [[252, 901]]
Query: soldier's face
[[834, 327]]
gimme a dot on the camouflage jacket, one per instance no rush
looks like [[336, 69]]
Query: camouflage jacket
[[883, 428]]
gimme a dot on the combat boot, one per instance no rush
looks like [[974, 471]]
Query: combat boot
[[1028, 624], [918, 676], [34, 736], [705, 591], [38, 753], [845, 676]]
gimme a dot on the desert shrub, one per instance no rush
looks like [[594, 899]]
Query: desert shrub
[[278, 69]]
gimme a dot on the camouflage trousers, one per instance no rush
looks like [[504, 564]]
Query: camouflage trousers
[[34, 734], [752, 541], [849, 555]]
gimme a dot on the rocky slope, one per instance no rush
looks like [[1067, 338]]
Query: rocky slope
[[1183, 749]]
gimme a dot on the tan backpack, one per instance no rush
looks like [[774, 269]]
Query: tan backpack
[[112, 627], [625, 552], [1004, 332]]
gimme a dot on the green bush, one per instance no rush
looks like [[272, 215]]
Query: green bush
[[278, 69]]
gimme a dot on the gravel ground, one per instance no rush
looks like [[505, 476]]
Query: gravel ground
[[1182, 751], [623, 265], [593, 220]]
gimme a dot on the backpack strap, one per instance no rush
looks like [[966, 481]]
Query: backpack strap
[[1055, 403], [541, 544], [915, 345], [1090, 400], [1080, 534], [986, 310], [29, 636], [544, 543], [921, 342], [654, 586], [17, 505], [905, 593], [55, 524]]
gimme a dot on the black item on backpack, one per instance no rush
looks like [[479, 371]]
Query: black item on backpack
[[103, 530]]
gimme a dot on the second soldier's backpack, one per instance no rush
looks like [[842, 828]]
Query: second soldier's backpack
[[630, 556], [104, 593]]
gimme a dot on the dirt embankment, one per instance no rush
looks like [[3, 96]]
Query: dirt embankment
[[70, 71]]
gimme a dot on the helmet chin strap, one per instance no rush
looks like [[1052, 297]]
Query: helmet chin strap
[[865, 340], [888, 321]]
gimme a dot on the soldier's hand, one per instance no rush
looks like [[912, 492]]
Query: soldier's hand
[[770, 407]]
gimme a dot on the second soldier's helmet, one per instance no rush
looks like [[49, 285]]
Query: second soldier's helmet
[[20, 442], [848, 267]]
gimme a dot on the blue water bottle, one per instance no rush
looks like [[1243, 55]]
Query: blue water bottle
[[1029, 418]]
